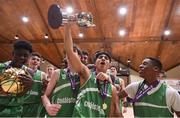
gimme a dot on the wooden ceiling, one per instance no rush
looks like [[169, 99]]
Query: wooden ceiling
[[145, 23]]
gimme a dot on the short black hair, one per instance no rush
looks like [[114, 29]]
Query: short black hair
[[84, 53], [114, 67], [22, 44], [98, 53], [156, 62], [76, 48], [36, 54]]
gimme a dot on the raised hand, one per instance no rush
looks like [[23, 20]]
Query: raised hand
[[103, 77]]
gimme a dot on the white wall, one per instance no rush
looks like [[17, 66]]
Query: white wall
[[134, 76], [174, 73]]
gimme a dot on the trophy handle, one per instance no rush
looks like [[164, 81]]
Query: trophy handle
[[55, 16]]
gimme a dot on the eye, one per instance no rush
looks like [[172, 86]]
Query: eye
[[105, 57], [100, 57]]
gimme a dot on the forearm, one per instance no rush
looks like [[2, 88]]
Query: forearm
[[73, 58], [177, 113], [45, 100], [68, 43]]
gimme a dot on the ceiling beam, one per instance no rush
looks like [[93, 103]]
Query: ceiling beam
[[98, 40], [172, 66], [100, 25], [166, 24]]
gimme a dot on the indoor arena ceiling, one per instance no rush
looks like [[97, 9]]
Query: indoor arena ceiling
[[144, 26]]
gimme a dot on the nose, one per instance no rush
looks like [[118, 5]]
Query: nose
[[141, 66], [22, 57], [103, 57]]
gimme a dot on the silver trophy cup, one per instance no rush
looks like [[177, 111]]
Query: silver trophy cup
[[56, 18]]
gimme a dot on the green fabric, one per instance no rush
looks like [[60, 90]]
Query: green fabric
[[41, 111], [89, 102], [10, 106], [158, 98], [33, 97], [64, 95]]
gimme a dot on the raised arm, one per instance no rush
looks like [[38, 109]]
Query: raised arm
[[52, 109], [122, 84], [114, 108], [73, 58]]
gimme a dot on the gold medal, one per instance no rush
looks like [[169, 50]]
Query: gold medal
[[104, 106]]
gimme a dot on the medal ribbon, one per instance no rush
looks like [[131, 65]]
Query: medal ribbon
[[142, 92], [103, 89], [71, 79]]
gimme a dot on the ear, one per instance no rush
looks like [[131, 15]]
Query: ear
[[155, 68]]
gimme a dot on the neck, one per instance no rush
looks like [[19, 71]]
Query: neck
[[33, 68], [14, 64], [150, 82]]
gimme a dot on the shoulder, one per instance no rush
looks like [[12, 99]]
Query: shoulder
[[171, 91], [172, 98], [134, 84], [132, 88]]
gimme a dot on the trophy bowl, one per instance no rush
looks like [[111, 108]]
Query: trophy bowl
[[57, 18], [15, 82]]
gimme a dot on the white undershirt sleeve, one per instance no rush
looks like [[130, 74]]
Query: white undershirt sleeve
[[131, 89], [172, 98]]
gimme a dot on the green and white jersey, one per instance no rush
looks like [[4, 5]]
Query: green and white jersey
[[157, 103], [9, 105], [89, 101], [64, 95], [33, 97]]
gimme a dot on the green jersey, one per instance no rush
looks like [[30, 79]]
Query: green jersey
[[64, 95], [33, 97], [153, 105], [89, 101], [10, 105]]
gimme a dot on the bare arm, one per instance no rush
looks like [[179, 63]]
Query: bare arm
[[177, 113], [122, 84], [44, 82], [114, 108], [52, 109], [74, 60]]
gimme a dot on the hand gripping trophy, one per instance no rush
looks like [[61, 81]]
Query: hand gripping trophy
[[15, 82], [57, 18]]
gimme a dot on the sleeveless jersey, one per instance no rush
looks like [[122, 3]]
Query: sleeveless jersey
[[64, 95], [153, 105], [33, 97], [89, 101], [9, 105]]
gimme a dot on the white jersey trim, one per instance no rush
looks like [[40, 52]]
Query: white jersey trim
[[90, 90], [152, 105], [63, 86]]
